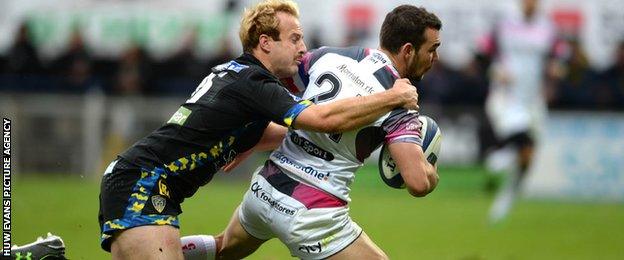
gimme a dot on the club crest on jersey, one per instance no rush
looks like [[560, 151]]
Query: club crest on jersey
[[232, 65], [159, 203]]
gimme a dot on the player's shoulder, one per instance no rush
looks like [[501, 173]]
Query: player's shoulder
[[354, 52], [245, 70], [257, 75]]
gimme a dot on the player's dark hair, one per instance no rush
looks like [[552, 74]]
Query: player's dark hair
[[406, 24]]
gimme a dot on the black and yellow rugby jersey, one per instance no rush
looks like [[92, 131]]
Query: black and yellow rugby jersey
[[224, 116]]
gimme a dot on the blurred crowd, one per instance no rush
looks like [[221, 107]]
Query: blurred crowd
[[77, 71], [571, 83]]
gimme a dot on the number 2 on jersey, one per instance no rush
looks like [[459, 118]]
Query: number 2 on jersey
[[327, 95], [332, 92]]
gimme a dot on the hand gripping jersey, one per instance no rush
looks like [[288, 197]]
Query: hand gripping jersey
[[329, 161]]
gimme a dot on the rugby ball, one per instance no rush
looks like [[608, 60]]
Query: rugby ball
[[432, 140]]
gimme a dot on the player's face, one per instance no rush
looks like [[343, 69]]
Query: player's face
[[529, 7], [425, 57], [288, 51]]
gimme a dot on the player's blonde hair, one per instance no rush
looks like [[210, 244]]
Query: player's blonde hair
[[262, 19]]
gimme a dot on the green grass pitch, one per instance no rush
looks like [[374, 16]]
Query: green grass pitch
[[450, 223]]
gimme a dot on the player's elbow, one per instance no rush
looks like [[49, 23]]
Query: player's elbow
[[418, 184], [419, 190]]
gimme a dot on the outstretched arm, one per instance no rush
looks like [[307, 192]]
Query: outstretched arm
[[351, 113], [271, 139], [420, 176]]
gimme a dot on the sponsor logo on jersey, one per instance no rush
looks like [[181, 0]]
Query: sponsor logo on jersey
[[232, 65], [318, 247], [314, 249], [412, 127], [355, 78], [310, 172], [268, 199], [311, 148], [376, 58], [159, 203], [110, 167], [190, 246], [162, 189], [180, 116]]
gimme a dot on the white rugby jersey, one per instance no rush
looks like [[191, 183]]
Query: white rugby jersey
[[523, 47], [329, 161], [522, 50]]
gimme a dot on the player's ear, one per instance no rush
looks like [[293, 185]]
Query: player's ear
[[407, 51], [264, 42]]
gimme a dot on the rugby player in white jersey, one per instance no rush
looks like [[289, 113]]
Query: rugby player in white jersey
[[301, 194], [516, 104]]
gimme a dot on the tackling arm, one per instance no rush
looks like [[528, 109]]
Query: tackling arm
[[351, 113], [271, 139], [420, 176]]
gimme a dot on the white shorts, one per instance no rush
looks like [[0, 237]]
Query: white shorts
[[508, 116], [311, 223]]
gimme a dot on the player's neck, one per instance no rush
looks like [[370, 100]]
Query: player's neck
[[264, 59], [396, 62]]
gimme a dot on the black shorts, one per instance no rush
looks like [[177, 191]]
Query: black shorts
[[489, 140], [132, 197]]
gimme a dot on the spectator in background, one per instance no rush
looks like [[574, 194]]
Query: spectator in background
[[473, 76], [133, 72], [439, 85], [515, 104], [179, 74], [613, 78], [573, 80], [447, 86], [23, 58], [75, 66], [224, 54]]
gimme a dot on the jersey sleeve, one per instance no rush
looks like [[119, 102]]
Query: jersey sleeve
[[402, 126], [268, 97]]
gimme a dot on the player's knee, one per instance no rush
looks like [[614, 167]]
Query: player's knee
[[146, 242], [381, 255], [219, 241], [125, 240]]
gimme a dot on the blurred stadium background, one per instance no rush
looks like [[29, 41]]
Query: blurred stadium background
[[83, 79]]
